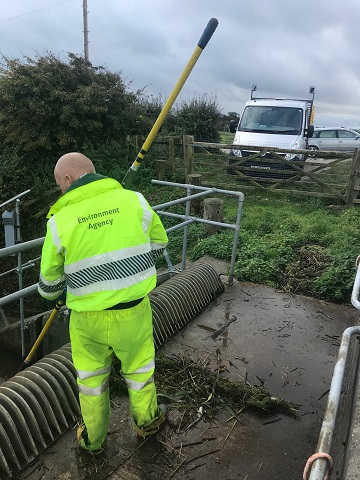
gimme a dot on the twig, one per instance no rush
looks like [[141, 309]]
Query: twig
[[272, 421], [223, 328], [246, 293], [196, 466], [206, 358], [177, 468], [205, 431], [286, 325], [231, 429], [204, 455], [172, 448], [127, 458], [190, 444], [237, 414], [194, 422], [182, 418], [323, 395], [326, 315]]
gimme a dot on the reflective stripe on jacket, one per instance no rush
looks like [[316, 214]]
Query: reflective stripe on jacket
[[100, 243]]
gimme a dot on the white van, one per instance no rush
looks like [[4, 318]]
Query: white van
[[274, 122]]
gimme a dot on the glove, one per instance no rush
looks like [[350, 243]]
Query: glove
[[62, 297]]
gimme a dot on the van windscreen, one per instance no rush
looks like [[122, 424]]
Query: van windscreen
[[273, 120]]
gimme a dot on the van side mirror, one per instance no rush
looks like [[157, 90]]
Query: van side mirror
[[232, 126], [309, 132]]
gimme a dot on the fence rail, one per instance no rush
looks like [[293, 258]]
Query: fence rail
[[319, 174], [334, 175]]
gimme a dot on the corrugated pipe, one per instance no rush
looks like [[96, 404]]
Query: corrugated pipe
[[36, 407]]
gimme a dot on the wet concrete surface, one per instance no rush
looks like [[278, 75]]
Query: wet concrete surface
[[287, 343]]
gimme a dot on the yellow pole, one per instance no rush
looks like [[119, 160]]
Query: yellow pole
[[46, 327], [205, 37]]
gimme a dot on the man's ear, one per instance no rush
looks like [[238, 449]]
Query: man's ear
[[68, 180]]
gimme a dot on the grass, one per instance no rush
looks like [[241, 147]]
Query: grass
[[306, 246], [301, 245], [226, 137]]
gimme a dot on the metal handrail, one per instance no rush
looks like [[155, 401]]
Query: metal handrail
[[21, 247], [319, 469], [188, 219], [206, 190], [355, 291], [320, 466], [13, 297], [14, 198]]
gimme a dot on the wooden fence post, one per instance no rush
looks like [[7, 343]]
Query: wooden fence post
[[160, 166], [195, 179], [213, 210], [188, 154], [354, 178], [171, 156]]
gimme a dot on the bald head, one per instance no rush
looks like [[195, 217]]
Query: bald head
[[71, 167]]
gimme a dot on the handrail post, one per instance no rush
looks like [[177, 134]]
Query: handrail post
[[20, 277]]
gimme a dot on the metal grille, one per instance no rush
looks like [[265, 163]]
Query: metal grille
[[180, 299]]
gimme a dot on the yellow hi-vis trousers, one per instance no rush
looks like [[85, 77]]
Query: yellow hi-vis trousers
[[95, 337]]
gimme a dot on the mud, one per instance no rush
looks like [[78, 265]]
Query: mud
[[287, 343]]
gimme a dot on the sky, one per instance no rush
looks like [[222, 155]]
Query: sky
[[282, 46]]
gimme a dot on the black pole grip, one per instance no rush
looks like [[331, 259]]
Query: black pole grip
[[207, 33]]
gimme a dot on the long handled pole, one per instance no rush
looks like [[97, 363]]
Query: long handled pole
[[204, 39], [46, 327]]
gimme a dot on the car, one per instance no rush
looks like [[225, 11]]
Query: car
[[334, 139]]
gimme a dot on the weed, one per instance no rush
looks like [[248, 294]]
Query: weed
[[302, 246]]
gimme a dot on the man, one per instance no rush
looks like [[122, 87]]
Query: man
[[100, 245]]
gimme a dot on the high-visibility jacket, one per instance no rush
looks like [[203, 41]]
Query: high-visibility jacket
[[100, 244]]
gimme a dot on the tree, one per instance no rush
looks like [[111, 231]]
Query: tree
[[49, 107], [199, 117]]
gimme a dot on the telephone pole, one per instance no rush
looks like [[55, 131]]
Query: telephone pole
[[86, 31]]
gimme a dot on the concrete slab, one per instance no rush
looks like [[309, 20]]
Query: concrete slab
[[287, 343]]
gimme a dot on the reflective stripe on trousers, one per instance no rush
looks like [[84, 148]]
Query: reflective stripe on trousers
[[95, 337]]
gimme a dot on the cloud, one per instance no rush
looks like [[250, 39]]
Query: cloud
[[284, 47]]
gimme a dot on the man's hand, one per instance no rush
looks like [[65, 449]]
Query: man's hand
[[62, 297]]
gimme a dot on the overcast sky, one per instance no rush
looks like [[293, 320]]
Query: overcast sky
[[283, 46]]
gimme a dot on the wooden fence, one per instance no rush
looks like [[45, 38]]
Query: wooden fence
[[334, 175], [166, 154]]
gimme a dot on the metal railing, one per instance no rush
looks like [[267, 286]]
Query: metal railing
[[16, 237], [187, 220], [319, 465]]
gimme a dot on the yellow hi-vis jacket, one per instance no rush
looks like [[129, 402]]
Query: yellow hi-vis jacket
[[100, 244]]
